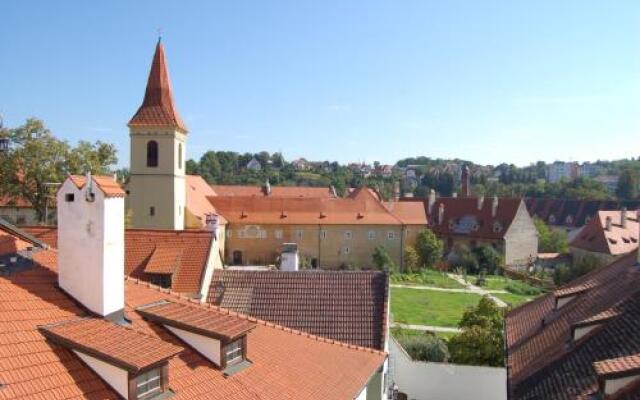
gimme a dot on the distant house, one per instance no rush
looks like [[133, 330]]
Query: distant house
[[608, 181], [560, 170], [254, 165], [300, 164], [608, 236]]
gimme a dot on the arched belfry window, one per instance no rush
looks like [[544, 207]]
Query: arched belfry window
[[179, 155], [152, 153]]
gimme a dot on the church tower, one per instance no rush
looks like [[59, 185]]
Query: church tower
[[158, 147]]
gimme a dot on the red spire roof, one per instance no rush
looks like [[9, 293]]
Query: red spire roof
[[157, 108]]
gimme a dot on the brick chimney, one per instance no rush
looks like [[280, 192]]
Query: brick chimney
[[465, 181], [91, 243], [607, 223], [623, 217]]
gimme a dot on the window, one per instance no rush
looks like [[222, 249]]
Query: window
[[152, 153], [179, 155], [391, 235], [21, 220], [162, 280], [149, 383], [371, 235], [346, 250], [278, 234], [234, 352], [152, 211], [348, 235], [323, 234], [299, 234], [69, 197]]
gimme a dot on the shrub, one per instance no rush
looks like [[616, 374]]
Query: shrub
[[427, 347], [411, 259], [382, 260], [489, 259], [517, 287], [429, 248], [564, 274], [461, 256]]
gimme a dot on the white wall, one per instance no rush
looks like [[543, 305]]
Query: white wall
[[208, 347], [362, 395], [91, 248], [116, 377], [213, 262], [441, 381]]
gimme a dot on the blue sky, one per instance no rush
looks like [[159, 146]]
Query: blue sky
[[489, 81]]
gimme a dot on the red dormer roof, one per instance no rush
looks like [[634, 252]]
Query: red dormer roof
[[158, 108]]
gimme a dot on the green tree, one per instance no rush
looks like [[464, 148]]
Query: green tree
[[411, 259], [429, 248], [209, 167], [551, 240], [627, 188], [481, 341], [489, 259], [462, 256], [36, 159], [381, 259], [564, 274]]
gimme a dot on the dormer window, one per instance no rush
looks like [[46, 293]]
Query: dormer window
[[149, 384], [234, 352]]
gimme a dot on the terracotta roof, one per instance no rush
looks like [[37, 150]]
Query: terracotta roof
[[140, 246], [276, 191], [408, 212], [544, 361], [110, 342], [158, 108], [207, 322], [361, 210], [462, 217], [573, 213], [286, 364], [198, 205], [106, 184], [164, 260], [347, 306], [615, 366], [595, 237]]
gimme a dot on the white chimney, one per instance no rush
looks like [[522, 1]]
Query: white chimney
[[396, 191], [91, 245], [289, 258], [623, 217], [267, 188], [480, 202], [494, 207], [607, 223], [212, 223], [432, 200], [440, 213], [454, 195]]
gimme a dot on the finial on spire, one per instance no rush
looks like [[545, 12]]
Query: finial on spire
[[159, 35]]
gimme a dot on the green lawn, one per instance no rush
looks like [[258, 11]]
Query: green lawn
[[513, 299], [428, 307], [427, 277]]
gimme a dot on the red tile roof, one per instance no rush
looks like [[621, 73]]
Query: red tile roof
[[17, 202], [164, 260], [107, 184], [110, 342], [462, 217], [158, 108], [595, 237], [207, 322], [347, 306], [408, 212], [544, 361], [140, 246], [197, 192], [615, 366], [286, 364], [363, 209], [276, 191]]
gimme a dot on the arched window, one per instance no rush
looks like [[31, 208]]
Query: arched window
[[152, 153], [179, 155]]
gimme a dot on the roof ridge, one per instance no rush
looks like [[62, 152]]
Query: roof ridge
[[252, 319]]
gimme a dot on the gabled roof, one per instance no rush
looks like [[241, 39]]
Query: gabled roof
[[285, 364], [543, 359], [347, 306], [408, 212], [158, 108], [595, 237], [107, 184], [140, 246], [573, 213], [276, 191], [197, 192], [110, 342], [363, 209]]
